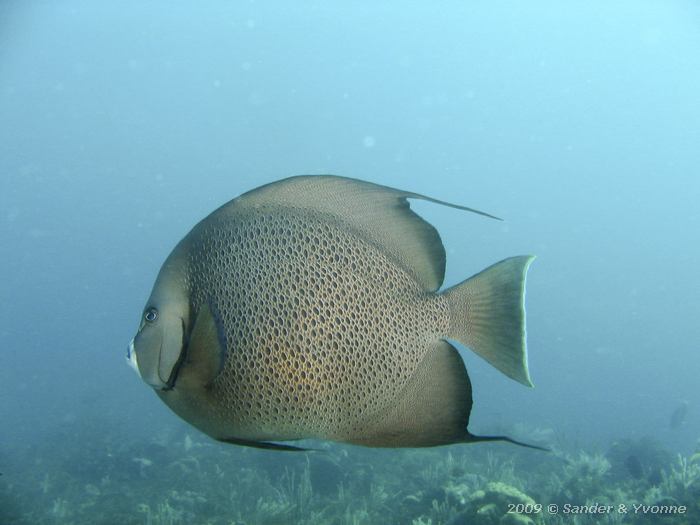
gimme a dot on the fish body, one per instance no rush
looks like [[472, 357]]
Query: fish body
[[678, 416], [309, 308]]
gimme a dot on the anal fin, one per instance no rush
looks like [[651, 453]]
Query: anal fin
[[432, 409], [266, 445]]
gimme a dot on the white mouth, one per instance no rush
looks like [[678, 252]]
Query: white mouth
[[131, 358]]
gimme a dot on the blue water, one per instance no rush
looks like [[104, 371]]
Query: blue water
[[124, 123]]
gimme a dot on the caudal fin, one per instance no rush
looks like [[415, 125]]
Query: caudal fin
[[487, 313]]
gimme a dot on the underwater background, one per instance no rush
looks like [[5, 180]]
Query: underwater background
[[122, 124]]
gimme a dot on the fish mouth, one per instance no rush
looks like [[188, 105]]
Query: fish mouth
[[131, 358]]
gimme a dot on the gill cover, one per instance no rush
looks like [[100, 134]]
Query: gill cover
[[158, 350]]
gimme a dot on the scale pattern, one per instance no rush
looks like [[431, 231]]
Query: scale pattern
[[322, 327]]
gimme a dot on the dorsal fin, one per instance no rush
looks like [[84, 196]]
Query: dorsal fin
[[380, 212]]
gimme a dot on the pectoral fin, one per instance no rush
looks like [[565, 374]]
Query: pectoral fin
[[206, 351]]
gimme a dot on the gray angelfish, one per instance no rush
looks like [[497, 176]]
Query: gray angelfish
[[309, 308], [678, 416]]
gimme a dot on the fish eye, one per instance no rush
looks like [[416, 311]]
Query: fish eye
[[151, 315]]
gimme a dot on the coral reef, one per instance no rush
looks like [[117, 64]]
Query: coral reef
[[499, 503], [178, 477], [637, 459]]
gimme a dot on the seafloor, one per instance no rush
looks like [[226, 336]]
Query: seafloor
[[181, 477]]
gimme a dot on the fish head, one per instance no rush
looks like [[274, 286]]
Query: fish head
[[158, 349]]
